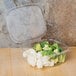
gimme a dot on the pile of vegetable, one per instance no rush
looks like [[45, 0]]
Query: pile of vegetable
[[44, 54]]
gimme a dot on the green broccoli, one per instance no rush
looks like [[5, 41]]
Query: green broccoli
[[37, 47], [44, 43]]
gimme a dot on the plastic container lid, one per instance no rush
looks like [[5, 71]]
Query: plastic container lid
[[25, 23]]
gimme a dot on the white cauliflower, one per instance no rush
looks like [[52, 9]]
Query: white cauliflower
[[45, 60], [36, 59], [51, 63], [39, 55], [39, 63], [31, 60], [31, 56], [25, 53]]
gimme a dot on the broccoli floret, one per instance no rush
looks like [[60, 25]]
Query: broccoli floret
[[56, 51], [60, 49], [47, 47], [55, 46], [44, 53], [44, 43], [37, 47]]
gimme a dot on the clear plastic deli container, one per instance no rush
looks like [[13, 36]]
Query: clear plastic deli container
[[27, 24], [46, 53]]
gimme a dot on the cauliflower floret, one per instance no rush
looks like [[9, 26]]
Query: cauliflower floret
[[45, 60], [36, 59], [51, 63], [39, 60], [39, 63], [47, 63], [31, 56], [32, 52], [39, 55], [25, 53], [29, 52], [32, 60]]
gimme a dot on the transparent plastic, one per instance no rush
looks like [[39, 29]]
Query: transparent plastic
[[62, 55], [26, 22], [61, 44], [51, 41]]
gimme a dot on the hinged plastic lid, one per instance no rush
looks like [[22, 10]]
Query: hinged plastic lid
[[25, 23]]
